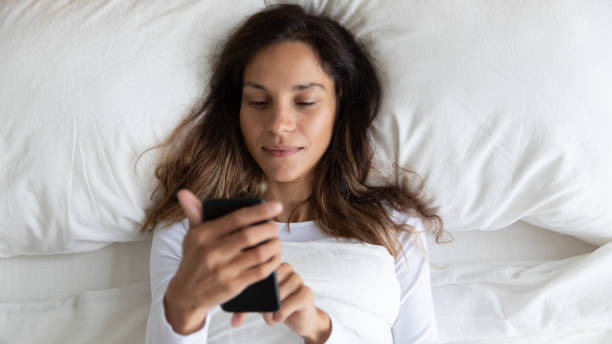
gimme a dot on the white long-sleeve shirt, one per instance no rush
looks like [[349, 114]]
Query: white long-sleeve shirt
[[415, 322]]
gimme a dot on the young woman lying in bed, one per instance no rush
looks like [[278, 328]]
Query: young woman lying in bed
[[286, 118]]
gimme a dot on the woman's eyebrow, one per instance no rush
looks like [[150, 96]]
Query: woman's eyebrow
[[310, 85], [295, 88]]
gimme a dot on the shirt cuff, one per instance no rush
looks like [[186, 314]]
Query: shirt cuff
[[341, 334]]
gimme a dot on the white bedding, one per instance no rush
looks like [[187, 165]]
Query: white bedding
[[372, 307], [103, 296], [95, 297], [522, 284], [503, 106], [507, 299]]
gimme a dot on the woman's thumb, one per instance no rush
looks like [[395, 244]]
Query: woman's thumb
[[192, 206]]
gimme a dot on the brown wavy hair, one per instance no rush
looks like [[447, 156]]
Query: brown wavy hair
[[206, 153]]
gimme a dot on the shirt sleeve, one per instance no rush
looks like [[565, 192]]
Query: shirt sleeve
[[166, 255], [416, 322], [341, 334]]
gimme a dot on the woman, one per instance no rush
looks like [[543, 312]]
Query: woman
[[286, 118]]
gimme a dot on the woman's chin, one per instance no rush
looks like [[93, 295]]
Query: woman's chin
[[282, 177]]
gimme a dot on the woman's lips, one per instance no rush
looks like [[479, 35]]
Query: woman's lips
[[279, 153]]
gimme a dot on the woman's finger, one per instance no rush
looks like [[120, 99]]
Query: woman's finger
[[284, 270], [287, 287], [246, 216], [237, 319], [261, 271], [192, 207], [267, 317], [294, 302], [250, 236], [257, 255]]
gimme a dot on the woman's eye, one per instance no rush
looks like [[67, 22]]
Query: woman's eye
[[264, 103], [306, 103]]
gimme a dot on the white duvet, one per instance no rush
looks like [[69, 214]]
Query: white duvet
[[372, 307], [561, 301], [511, 299]]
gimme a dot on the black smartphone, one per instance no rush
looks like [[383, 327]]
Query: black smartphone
[[261, 296]]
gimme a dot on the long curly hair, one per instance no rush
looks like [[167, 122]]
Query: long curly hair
[[206, 152]]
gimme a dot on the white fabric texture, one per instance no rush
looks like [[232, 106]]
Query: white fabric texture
[[353, 282], [332, 268], [505, 300], [114, 316], [119, 272], [88, 86], [503, 107]]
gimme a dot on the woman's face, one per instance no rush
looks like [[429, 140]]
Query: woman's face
[[287, 111]]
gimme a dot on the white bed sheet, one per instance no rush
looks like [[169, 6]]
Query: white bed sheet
[[95, 297], [103, 296], [520, 241], [522, 285]]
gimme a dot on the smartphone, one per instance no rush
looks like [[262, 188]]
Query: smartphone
[[261, 296]]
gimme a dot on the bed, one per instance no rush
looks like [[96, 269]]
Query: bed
[[503, 107]]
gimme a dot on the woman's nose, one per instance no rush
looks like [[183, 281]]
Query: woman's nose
[[282, 119]]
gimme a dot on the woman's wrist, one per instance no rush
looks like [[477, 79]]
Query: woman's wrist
[[182, 318], [322, 330], [184, 322]]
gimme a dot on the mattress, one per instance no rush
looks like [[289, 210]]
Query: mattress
[[103, 296]]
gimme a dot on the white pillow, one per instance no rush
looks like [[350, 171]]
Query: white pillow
[[87, 86], [505, 108]]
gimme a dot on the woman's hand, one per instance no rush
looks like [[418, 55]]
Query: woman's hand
[[297, 309], [214, 268]]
